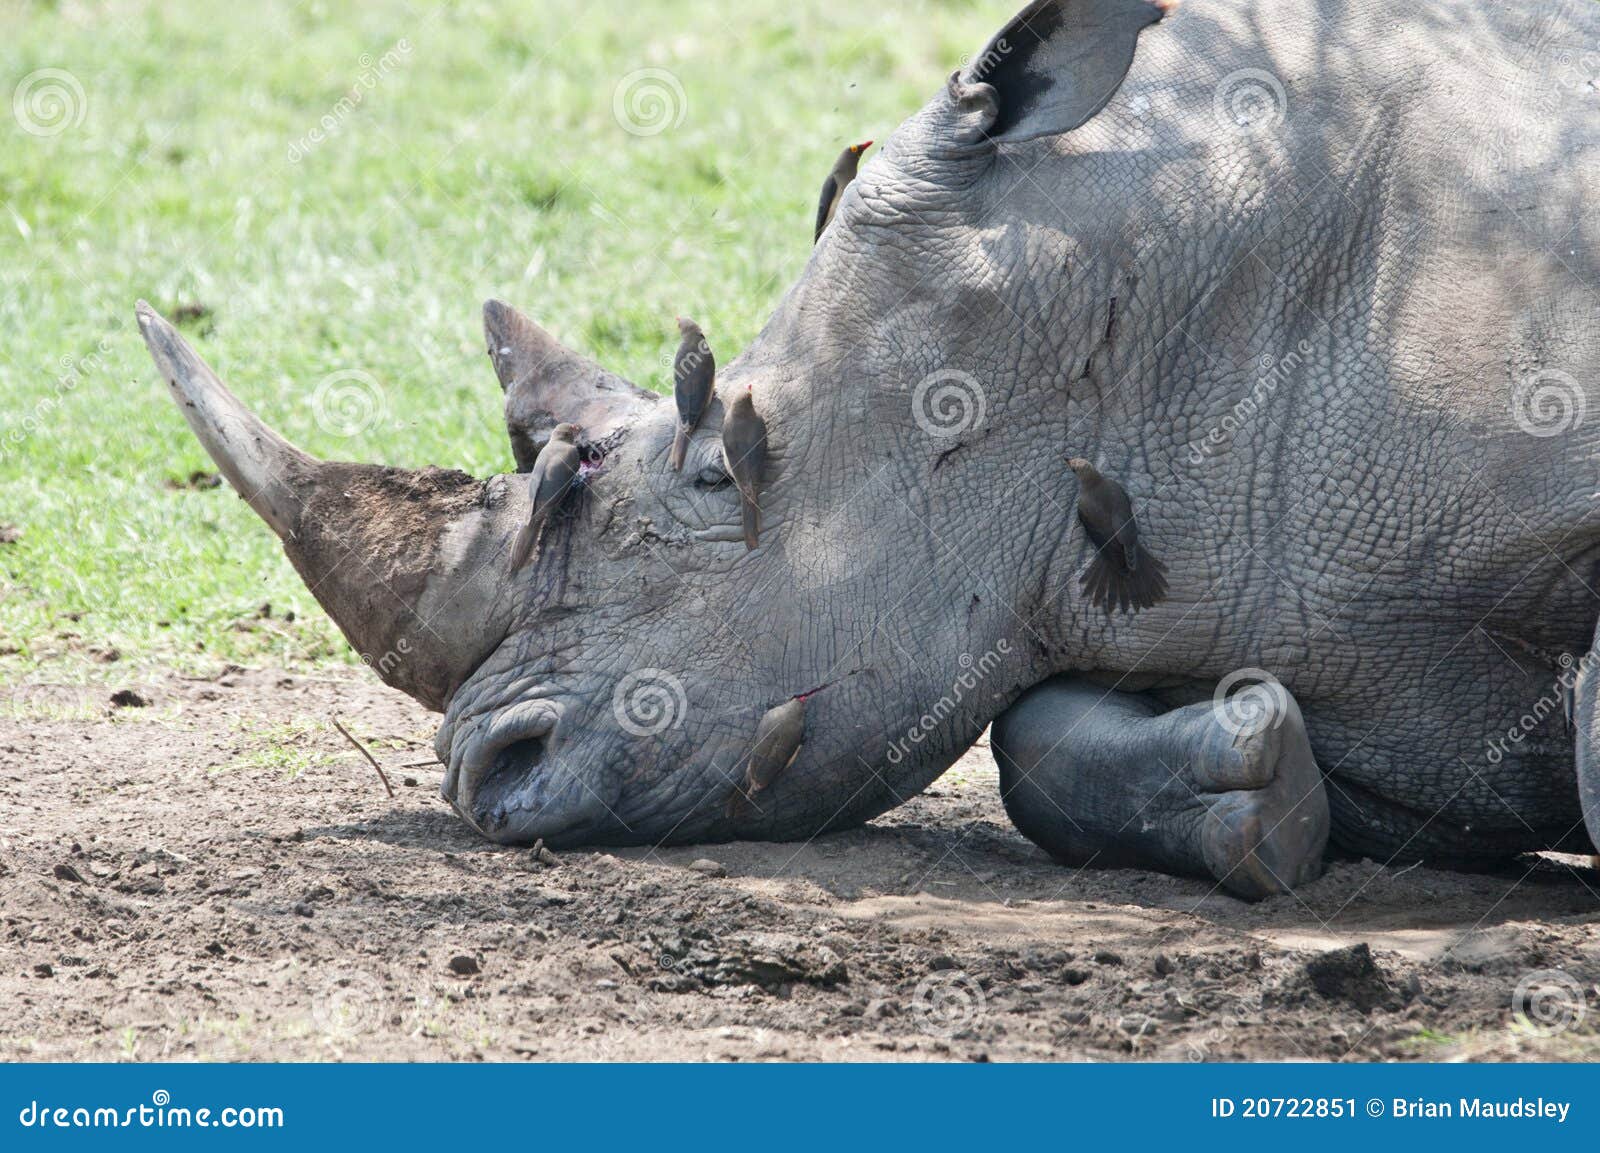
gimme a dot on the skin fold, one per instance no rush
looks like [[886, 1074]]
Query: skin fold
[[1297, 281]]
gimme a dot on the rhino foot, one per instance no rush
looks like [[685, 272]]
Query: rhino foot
[[1266, 820], [1109, 778]]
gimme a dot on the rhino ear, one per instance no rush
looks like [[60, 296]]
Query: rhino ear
[[1057, 64], [547, 383]]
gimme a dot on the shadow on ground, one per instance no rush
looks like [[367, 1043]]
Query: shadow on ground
[[216, 874]]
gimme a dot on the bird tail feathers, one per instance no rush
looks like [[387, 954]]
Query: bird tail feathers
[[522, 547], [680, 447], [1107, 582], [752, 522]]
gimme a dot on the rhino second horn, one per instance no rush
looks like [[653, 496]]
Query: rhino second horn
[[547, 384]]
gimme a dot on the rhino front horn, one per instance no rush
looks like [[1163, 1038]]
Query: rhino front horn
[[399, 558], [260, 465]]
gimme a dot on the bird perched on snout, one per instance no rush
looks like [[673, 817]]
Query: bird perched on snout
[[744, 451], [555, 471], [1123, 574], [694, 374], [779, 737], [844, 171]]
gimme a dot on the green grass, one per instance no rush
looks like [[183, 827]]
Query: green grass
[[288, 748], [485, 160]]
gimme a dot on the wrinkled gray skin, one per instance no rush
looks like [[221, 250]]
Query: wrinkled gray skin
[[1409, 240]]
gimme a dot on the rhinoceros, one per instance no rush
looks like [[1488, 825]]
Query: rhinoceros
[[1314, 280]]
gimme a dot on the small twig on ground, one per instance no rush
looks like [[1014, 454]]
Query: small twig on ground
[[421, 763], [371, 760]]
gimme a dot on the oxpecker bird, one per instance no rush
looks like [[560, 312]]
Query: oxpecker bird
[[694, 373], [779, 736], [555, 470], [844, 171], [1123, 574], [744, 451]]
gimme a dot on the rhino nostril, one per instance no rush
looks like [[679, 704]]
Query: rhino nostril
[[520, 755]]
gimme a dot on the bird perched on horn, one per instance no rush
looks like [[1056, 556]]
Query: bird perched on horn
[[694, 375], [555, 471]]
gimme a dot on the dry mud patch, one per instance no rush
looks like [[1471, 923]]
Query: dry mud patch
[[213, 873]]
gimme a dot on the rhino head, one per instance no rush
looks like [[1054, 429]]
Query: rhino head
[[915, 570]]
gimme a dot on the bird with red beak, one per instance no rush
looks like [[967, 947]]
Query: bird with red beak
[[844, 171]]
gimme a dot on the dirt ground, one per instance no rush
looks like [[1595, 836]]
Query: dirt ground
[[215, 874]]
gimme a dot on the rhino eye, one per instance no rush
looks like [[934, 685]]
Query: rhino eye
[[712, 477]]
